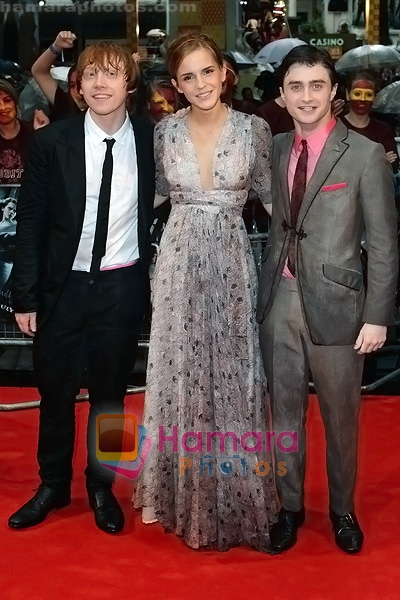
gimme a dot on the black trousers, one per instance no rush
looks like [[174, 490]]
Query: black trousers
[[93, 325]]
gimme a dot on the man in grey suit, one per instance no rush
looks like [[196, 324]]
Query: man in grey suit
[[329, 186]]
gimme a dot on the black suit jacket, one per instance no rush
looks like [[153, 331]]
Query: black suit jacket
[[51, 208]]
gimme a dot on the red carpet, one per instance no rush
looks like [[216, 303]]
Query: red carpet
[[67, 557]]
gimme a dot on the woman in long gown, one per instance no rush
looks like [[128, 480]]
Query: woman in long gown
[[205, 376]]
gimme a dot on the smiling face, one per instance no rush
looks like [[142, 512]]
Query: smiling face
[[307, 93], [104, 90], [200, 78], [105, 74], [8, 110], [361, 96]]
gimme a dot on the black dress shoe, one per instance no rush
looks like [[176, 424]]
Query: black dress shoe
[[348, 535], [284, 533], [107, 512], [37, 508]]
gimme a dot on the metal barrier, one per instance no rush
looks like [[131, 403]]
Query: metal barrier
[[79, 398], [11, 336], [258, 242]]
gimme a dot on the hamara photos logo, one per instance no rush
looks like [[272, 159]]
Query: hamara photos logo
[[123, 446]]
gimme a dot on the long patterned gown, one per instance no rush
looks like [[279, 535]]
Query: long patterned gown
[[205, 374]]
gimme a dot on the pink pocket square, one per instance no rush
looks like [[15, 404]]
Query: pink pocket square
[[333, 186]]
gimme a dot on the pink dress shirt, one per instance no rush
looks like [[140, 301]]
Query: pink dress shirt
[[315, 142]]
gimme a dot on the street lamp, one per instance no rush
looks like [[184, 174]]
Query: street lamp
[[243, 6]]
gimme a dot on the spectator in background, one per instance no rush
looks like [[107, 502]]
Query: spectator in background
[[249, 104], [251, 36], [162, 99], [360, 94], [229, 87], [63, 104], [15, 135], [267, 27], [276, 114], [254, 215], [267, 85]]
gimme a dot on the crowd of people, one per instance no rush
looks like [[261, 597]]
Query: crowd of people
[[227, 462]]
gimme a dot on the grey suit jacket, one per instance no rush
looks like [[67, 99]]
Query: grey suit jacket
[[351, 190]]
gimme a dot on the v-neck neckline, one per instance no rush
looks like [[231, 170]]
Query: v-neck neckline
[[217, 146]]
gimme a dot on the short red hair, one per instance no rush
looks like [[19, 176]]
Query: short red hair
[[108, 54]]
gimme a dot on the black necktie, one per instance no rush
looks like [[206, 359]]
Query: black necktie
[[100, 236], [298, 190]]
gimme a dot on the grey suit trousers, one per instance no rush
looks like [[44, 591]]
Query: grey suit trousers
[[289, 355]]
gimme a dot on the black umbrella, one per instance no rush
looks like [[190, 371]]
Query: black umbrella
[[8, 67]]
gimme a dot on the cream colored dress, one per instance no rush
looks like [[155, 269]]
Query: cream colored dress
[[204, 366]]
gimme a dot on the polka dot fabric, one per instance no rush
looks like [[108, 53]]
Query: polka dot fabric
[[204, 368]]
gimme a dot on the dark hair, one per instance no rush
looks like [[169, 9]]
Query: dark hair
[[71, 71], [158, 83], [308, 56], [366, 75], [185, 44], [8, 89], [245, 90]]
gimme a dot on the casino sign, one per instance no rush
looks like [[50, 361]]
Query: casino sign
[[335, 43]]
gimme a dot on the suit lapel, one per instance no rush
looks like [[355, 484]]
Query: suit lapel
[[71, 151], [283, 158], [145, 181], [141, 163], [334, 148]]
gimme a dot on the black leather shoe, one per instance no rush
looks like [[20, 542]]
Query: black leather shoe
[[348, 535], [284, 533], [37, 508], [107, 512]]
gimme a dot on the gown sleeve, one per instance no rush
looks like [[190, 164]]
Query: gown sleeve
[[261, 172], [160, 132]]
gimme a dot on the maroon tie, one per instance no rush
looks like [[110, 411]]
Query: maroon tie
[[299, 187]]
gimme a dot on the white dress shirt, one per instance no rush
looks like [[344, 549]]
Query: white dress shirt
[[122, 247]]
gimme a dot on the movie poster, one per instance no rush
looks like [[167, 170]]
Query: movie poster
[[8, 226]]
